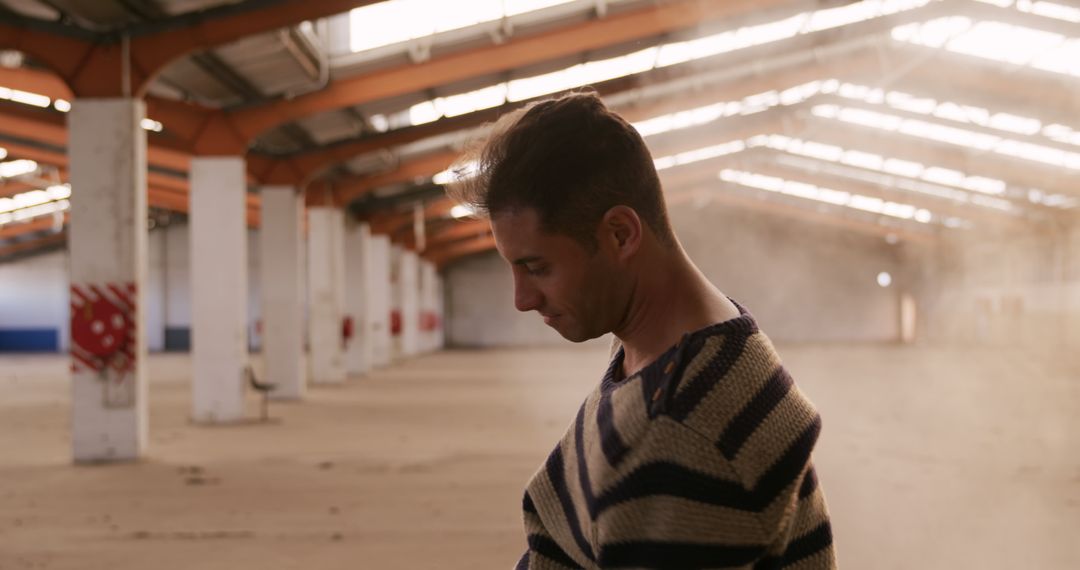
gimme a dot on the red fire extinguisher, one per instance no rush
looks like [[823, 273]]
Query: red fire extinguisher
[[346, 330], [395, 322]]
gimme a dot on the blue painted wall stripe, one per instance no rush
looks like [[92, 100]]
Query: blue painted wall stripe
[[29, 340]]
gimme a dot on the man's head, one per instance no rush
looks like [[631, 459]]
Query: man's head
[[573, 196]]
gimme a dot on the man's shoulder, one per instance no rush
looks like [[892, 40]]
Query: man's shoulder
[[736, 392]]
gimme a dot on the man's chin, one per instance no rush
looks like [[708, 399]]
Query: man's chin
[[575, 336]]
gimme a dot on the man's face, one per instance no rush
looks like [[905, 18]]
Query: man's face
[[574, 290]]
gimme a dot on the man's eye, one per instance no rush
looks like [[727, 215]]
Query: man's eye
[[537, 270]]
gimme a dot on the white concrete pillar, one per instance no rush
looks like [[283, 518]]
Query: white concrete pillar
[[407, 297], [155, 291], [219, 288], [440, 313], [358, 349], [281, 276], [108, 264], [428, 307], [326, 302], [380, 301]]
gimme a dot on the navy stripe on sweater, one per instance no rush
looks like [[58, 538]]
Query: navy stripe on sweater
[[754, 413], [548, 548], [675, 556], [610, 440], [555, 471], [689, 396]]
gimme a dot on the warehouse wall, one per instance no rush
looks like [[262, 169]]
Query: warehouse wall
[[33, 303], [34, 296], [803, 282], [1009, 289]]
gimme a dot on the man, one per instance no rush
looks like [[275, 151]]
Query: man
[[694, 449]]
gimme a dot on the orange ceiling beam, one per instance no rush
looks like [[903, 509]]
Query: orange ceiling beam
[[516, 52], [443, 256], [35, 81], [40, 224], [205, 132], [454, 231], [350, 188], [13, 187], [49, 128], [33, 244], [392, 222], [463, 228], [95, 68]]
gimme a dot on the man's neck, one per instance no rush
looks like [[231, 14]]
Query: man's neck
[[670, 299]]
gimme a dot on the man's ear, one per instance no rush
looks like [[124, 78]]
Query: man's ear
[[621, 230]]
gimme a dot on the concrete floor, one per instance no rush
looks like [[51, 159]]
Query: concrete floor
[[929, 459]]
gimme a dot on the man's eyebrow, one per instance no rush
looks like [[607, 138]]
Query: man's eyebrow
[[527, 259]]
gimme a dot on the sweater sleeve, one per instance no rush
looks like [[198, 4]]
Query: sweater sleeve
[[543, 552], [680, 503]]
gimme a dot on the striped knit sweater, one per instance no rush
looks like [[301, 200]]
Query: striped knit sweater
[[700, 460]]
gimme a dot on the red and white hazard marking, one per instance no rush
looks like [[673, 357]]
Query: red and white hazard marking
[[103, 327]]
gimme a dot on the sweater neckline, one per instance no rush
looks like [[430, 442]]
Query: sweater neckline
[[744, 324]]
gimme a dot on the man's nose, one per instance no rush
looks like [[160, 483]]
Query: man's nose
[[526, 297]]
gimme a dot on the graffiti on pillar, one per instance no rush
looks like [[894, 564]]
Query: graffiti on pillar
[[103, 338]]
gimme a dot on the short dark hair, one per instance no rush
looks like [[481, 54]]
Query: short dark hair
[[571, 159]]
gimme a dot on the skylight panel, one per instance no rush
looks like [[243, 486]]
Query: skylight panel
[[997, 41], [25, 97], [34, 203], [827, 195], [952, 135], [423, 113], [659, 56], [1015, 124], [910, 103], [395, 21], [984, 185], [1065, 59], [857, 12], [833, 196], [382, 23], [863, 159], [1004, 42], [905, 211], [698, 155], [866, 203], [902, 167], [467, 103], [709, 113], [35, 211], [1060, 133], [800, 93], [945, 176], [963, 113], [515, 7], [1051, 10], [822, 151], [941, 178], [944, 133], [934, 33], [19, 167]]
